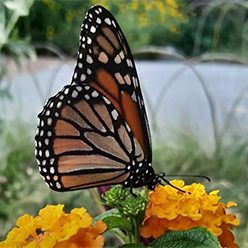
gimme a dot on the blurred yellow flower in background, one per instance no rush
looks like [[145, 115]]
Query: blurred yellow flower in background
[[170, 209], [55, 228]]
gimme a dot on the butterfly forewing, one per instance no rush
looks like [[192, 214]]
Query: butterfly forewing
[[95, 132], [106, 63]]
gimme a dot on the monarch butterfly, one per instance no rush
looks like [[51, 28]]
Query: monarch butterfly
[[95, 132]]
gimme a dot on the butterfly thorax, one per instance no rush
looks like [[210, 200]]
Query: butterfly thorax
[[141, 173]]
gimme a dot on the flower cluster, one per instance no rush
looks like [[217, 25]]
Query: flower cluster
[[170, 209], [55, 228]]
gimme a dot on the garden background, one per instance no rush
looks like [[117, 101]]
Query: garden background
[[192, 60]]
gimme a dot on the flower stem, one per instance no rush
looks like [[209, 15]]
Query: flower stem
[[135, 235]]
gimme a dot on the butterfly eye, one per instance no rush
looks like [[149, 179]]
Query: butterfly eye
[[95, 131]]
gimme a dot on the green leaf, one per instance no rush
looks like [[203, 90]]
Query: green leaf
[[132, 246], [114, 219], [197, 237]]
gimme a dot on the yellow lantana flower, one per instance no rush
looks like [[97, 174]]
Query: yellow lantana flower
[[170, 209], [55, 228]]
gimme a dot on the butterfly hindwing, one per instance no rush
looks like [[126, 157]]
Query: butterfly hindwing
[[86, 143]]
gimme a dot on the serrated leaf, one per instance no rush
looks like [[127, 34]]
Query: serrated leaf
[[133, 246], [114, 219], [197, 237]]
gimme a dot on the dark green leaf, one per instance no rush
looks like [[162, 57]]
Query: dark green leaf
[[197, 237], [114, 219]]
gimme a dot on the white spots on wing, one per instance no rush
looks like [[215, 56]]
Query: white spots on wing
[[89, 59], [51, 104], [80, 55], [103, 57], [113, 23], [75, 75], [135, 82], [89, 40], [100, 10], [80, 65], [61, 97], [58, 185], [86, 26], [119, 78], [87, 97], [121, 54], [93, 29], [66, 91], [49, 133], [127, 79], [94, 94], [98, 20], [79, 88], [107, 20], [97, 11], [52, 161], [129, 63], [52, 170], [106, 100], [86, 87], [46, 141], [74, 94], [128, 129], [47, 113], [114, 114], [41, 132], [133, 96], [59, 104], [49, 121], [83, 77], [90, 15], [117, 59], [47, 153], [88, 71]]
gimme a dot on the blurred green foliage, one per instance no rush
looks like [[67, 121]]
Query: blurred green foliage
[[191, 27]]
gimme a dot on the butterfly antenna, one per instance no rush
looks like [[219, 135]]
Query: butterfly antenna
[[201, 176], [162, 177]]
